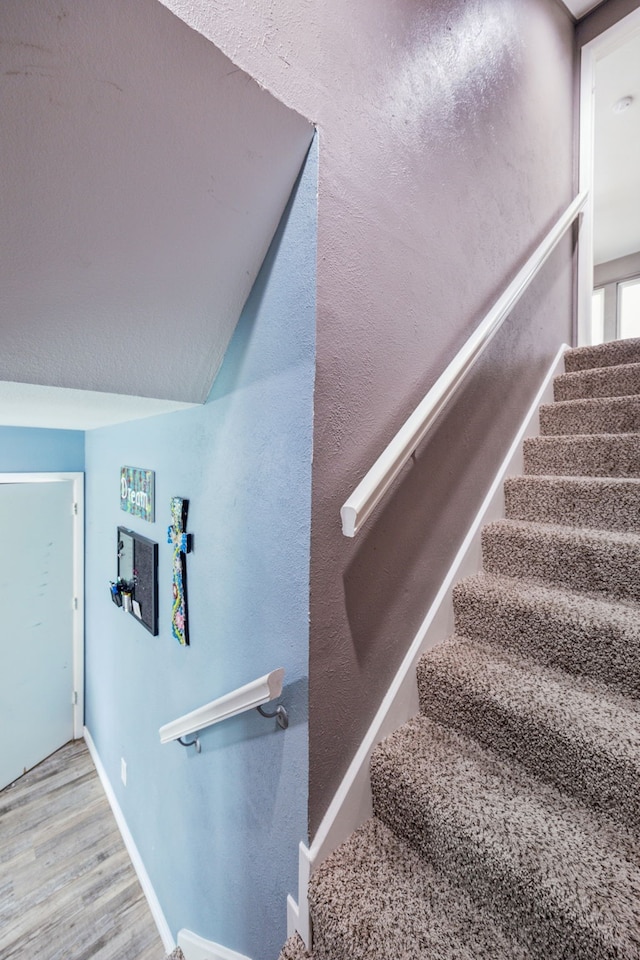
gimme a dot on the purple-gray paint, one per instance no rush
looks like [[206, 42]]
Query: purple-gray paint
[[445, 156]]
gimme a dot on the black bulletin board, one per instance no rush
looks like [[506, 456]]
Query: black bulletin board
[[138, 564]]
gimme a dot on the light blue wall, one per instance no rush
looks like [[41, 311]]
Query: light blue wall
[[218, 832], [35, 450]]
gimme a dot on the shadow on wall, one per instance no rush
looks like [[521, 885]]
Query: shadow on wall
[[419, 525], [251, 725], [236, 372]]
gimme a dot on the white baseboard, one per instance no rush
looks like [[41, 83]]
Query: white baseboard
[[351, 805], [197, 948], [145, 882]]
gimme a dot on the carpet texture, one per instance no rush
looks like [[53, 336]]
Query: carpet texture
[[507, 813]]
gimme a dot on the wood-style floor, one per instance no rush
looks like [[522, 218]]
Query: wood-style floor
[[67, 887]]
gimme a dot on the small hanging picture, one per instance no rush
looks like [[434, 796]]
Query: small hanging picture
[[181, 543], [137, 492]]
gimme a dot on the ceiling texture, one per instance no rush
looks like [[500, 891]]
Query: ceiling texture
[[580, 7], [144, 176]]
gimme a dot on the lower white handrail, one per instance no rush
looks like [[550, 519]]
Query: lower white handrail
[[384, 471], [252, 695]]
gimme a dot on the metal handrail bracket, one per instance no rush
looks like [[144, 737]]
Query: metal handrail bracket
[[384, 471], [251, 695]]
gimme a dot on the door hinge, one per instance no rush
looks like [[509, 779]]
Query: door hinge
[[75, 509], [75, 603], [74, 698]]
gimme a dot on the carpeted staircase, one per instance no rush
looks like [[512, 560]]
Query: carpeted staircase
[[507, 813]]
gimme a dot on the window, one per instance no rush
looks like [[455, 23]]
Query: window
[[597, 316], [629, 309]]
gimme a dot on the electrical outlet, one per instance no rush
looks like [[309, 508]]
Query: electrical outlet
[[123, 770]]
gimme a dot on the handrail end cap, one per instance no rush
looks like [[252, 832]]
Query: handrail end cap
[[349, 517]]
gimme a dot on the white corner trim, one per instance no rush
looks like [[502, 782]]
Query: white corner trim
[[78, 604], [293, 916], [138, 865], [197, 948], [351, 805], [303, 925]]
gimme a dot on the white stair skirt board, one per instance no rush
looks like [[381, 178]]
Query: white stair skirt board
[[197, 948], [351, 805], [154, 904]]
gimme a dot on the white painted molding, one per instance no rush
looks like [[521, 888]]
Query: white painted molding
[[293, 916], [134, 854], [351, 805], [77, 479], [582, 333], [379, 478], [197, 948], [252, 695], [78, 605]]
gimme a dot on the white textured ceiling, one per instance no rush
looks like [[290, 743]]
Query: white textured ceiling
[[143, 177], [61, 408], [617, 153], [579, 7]]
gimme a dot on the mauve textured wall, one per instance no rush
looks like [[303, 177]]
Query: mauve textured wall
[[445, 156]]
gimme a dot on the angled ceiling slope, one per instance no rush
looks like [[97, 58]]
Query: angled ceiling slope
[[579, 8], [143, 178]]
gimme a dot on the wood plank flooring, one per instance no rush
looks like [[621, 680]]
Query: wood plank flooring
[[68, 890]]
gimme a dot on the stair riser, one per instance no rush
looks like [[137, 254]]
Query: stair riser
[[609, 651], [603, 355], [492, 880], [598, 506], [609, 568], [327, 942], [583, 456], [570, 763], [614, 382], [614, 415]]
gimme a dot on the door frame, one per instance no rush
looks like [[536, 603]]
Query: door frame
[[606, 42], [77, 480]]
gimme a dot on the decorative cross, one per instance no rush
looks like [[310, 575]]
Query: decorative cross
[[181, 542]]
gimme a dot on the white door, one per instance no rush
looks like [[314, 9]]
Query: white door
[[36, 623]]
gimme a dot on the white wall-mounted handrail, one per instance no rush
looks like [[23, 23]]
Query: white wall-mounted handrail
[[252, 695], [379, 478]]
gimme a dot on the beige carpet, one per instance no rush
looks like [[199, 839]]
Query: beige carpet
[[507, 814]]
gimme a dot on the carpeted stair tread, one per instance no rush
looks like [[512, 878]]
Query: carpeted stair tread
[[595, 561], [583, 635], [620, 381], [294, 949], [566, 880], [507, 813], [575, 734], [590, 416], [611, 354], [608, 503], [599, 455], [377, 898]]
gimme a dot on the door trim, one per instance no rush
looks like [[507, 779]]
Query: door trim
[[608, 41], [77, 480]]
